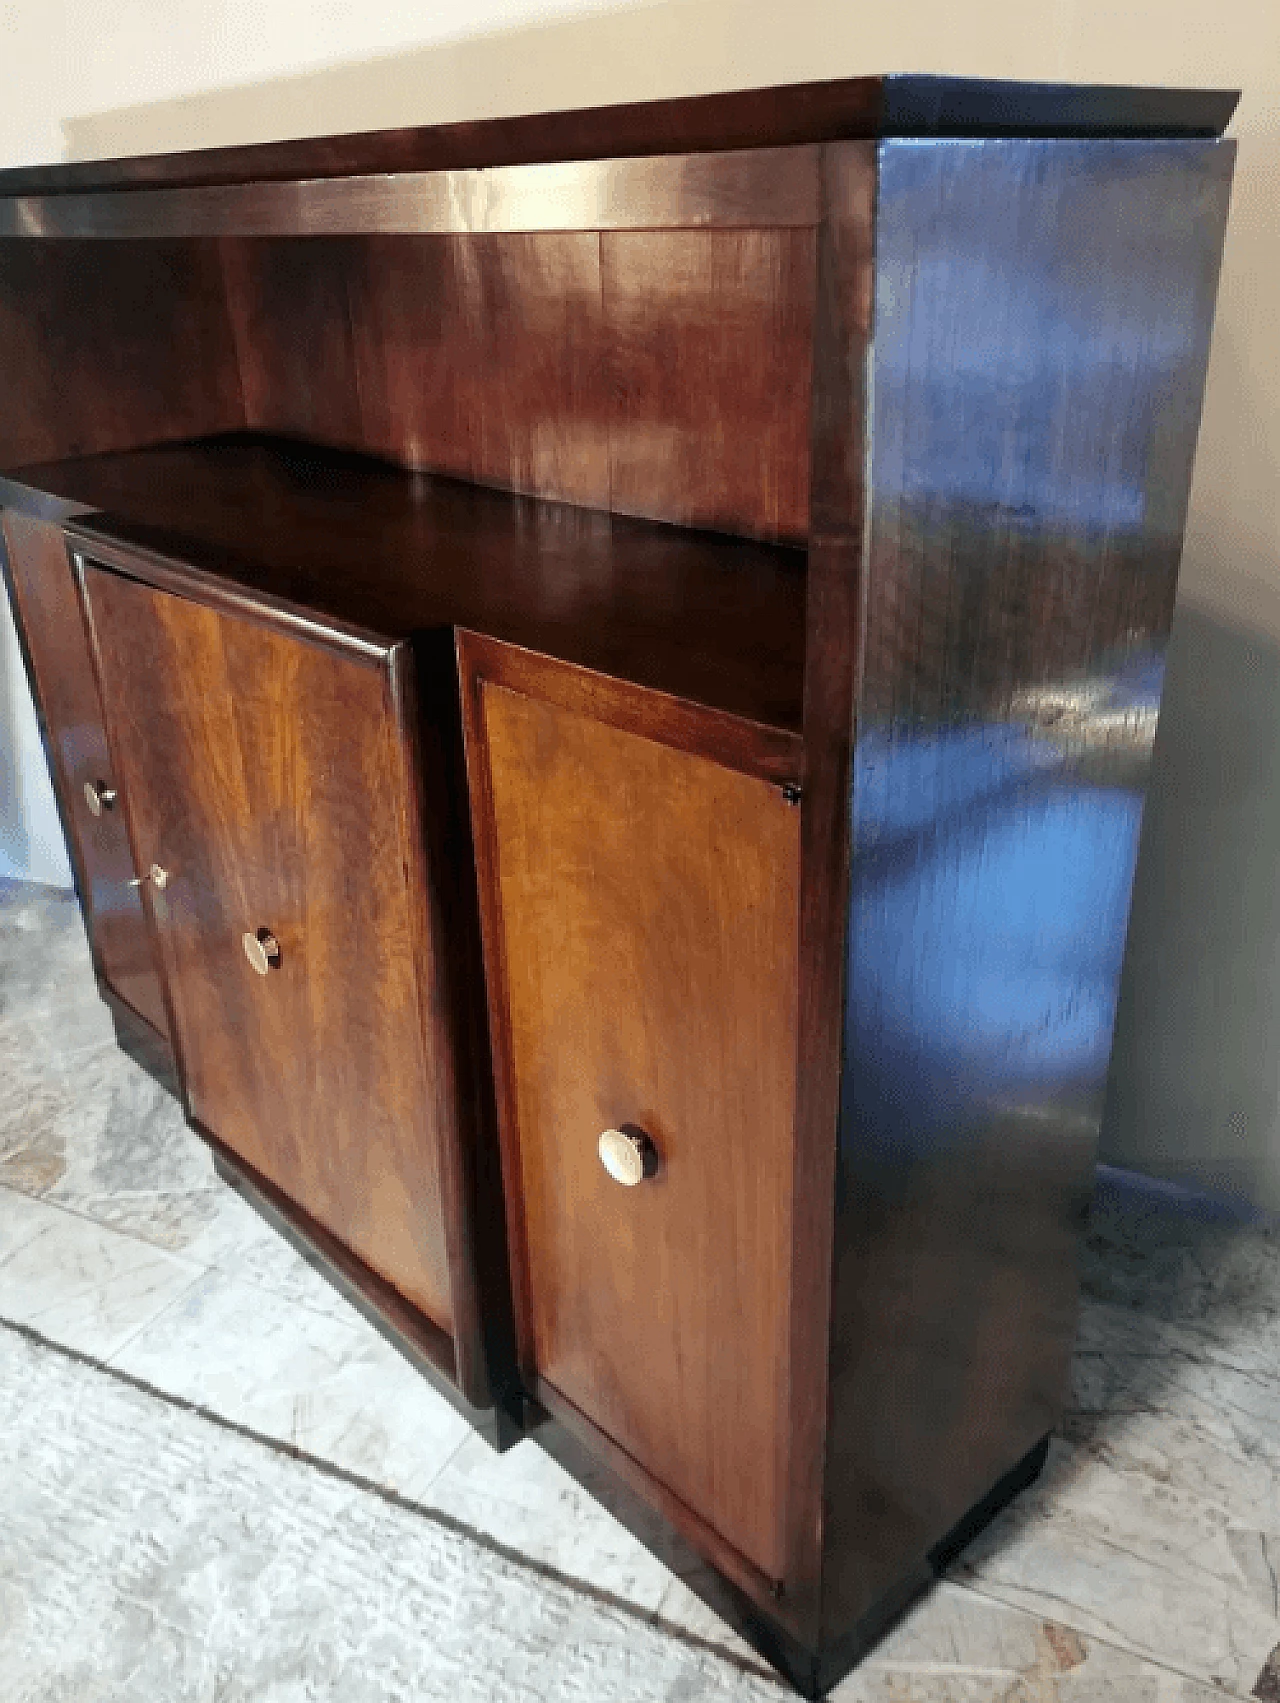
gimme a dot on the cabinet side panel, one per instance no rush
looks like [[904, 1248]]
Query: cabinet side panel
[[1042, 321], [48, 611], [111, 345]]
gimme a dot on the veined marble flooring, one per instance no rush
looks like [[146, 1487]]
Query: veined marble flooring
[[218, 1484]]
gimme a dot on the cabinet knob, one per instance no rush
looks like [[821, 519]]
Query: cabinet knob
[[158, 878], [99, 796], [262, 950], [627, 1155]]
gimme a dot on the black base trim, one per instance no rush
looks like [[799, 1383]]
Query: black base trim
[[812, 1672], [498, 1427]]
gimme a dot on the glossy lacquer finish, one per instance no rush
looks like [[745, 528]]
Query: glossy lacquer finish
[[48, 610], [1042, 314], [269, 778]]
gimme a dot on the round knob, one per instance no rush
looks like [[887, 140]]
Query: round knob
[[99, 796], [628, 1155], [157, 876], [262, 950]]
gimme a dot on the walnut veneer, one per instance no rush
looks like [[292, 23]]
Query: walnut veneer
[[644, 621]]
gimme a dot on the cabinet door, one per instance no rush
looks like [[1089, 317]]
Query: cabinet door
[[641, 912], [48, 612], [267, 775]]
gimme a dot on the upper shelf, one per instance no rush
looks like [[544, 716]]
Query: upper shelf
[[850, 108], [716, 621]]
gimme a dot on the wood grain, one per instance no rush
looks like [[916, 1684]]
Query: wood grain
[[842, 334], [641, 945], [480, 356], [709, 351], [104, 346], [266, 775], [48, 611], [292, 320]]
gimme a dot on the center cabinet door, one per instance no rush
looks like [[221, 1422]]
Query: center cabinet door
[[641, 925], [270, 776]]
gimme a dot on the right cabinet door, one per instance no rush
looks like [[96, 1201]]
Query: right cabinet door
[[641, 917]]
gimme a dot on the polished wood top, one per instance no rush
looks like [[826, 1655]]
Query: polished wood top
[[719, 621], [843, 109]]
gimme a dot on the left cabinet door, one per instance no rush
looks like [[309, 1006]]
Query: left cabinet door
[[271, 776], [49, 617]]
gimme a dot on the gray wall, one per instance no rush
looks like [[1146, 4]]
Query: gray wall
[[1195, 1072]]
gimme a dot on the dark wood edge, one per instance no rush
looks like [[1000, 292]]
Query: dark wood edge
[[198, 585], [752, 189], [142, 1041], [423, 1344], [470, 652], [734, 742], [701, 1536], [833, 619], [424, 706], [839, 109], [15, 493], [121, 768]]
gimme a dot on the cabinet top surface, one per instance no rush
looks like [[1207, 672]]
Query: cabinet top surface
[[716, 620], [844, 109]]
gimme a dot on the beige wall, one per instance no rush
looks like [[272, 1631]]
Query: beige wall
[[1197, 1082]]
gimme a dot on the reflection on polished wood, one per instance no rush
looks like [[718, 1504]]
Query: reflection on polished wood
[[692, 191], [642, 671]]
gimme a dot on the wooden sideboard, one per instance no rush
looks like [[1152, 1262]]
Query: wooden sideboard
[[600, 672]]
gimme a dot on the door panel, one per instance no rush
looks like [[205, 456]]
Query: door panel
[[49, 612], [266, 774], [646, 933]]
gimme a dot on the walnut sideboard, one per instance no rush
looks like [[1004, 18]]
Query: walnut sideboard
[[600, 672]]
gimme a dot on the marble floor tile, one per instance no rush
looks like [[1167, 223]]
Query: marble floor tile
[[528, 1503], [1153, 1568], [322, 1384], [234, 1239], [148, 1556], [21, 1220], [956, 1646], [82, 1284]]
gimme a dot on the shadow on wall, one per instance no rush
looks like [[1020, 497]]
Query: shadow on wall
[[1195, 1076], [1196, 1066], [592, 54]]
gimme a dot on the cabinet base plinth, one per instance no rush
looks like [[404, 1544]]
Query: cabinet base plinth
[[813, 1673], [361, 1288]]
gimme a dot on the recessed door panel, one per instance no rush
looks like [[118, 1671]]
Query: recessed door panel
[[644, 916], [266, 775]]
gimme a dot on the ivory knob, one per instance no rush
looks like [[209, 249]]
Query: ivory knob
[[262, 950], [627, 1155]]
